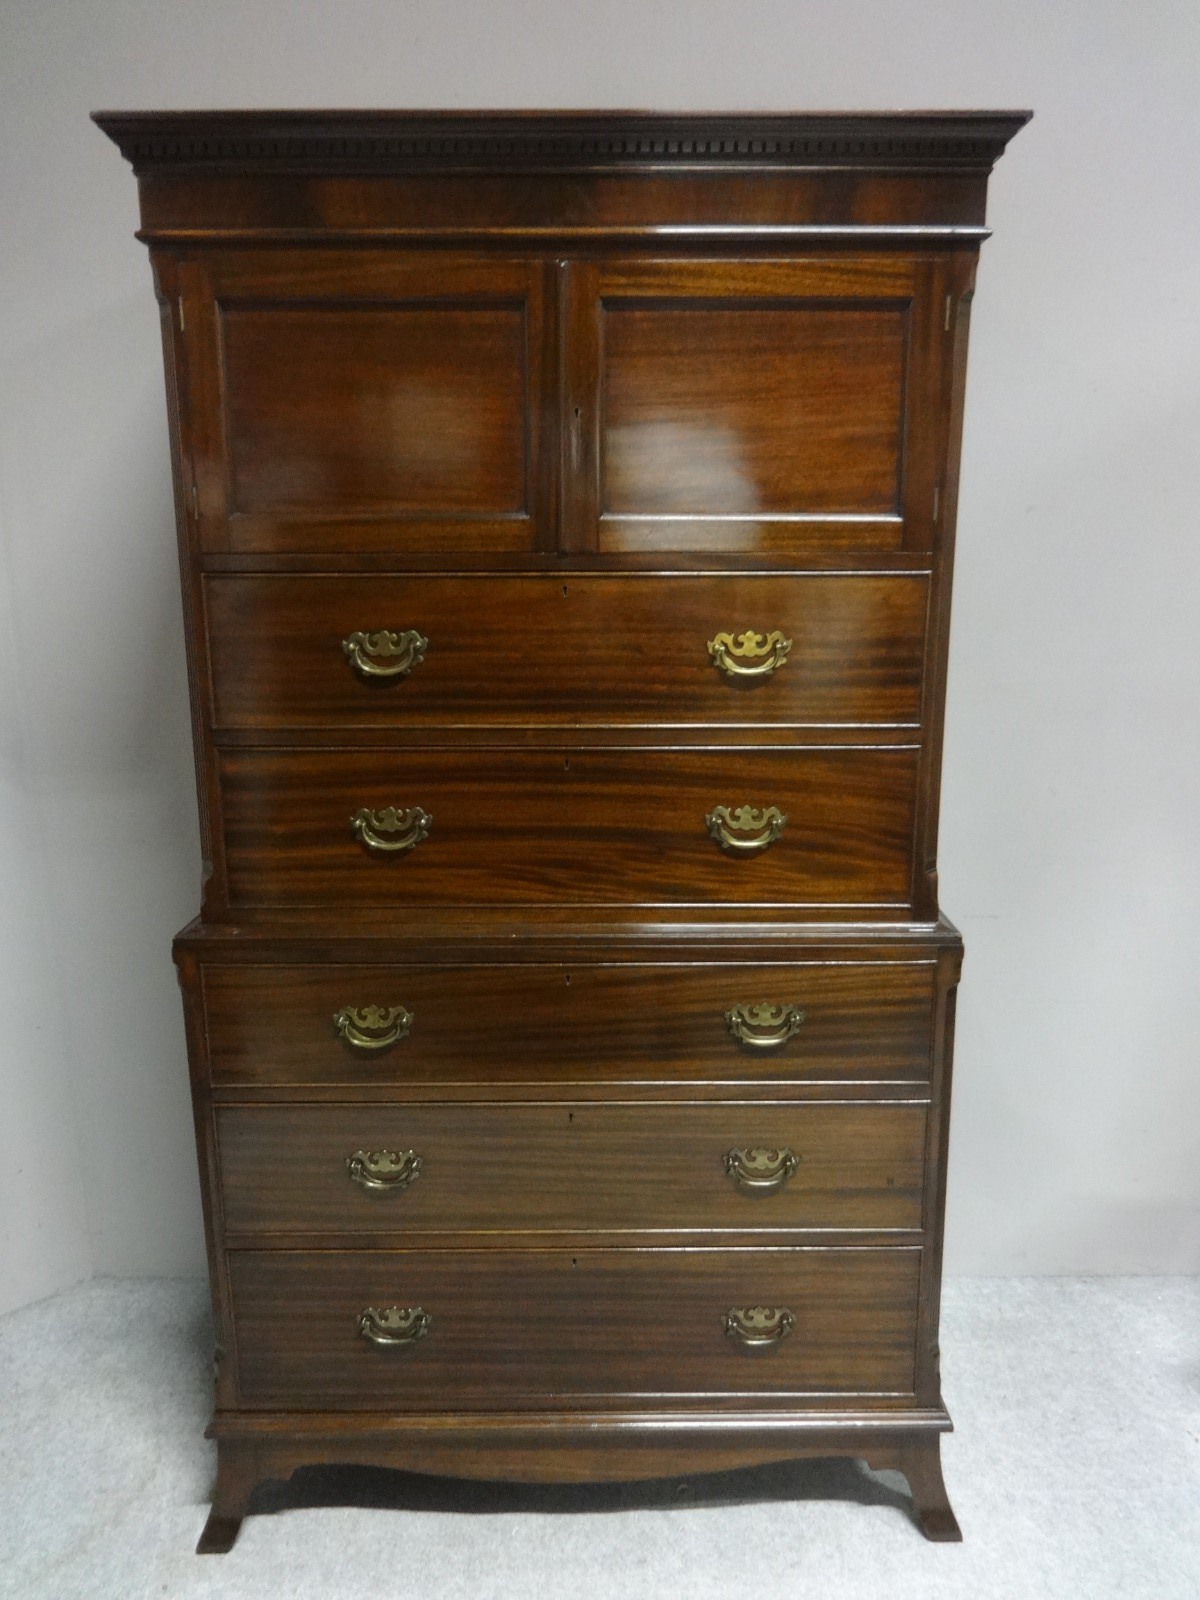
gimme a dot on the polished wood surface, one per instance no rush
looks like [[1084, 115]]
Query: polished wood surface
[[728, 447], [559, 399], [548, 1326], [565, 650], [765, 406], [286, 142], [740, 405], [577, 1448], [569, 1167], [375, 412], [364, 400], [580, 825], [270, 1025]]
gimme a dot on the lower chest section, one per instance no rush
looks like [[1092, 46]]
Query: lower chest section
[[489, 1184]]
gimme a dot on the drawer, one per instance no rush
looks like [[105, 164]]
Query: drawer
[[574, 650], [576, 826], [546, 1326], [521, 1023], [570, 1167]]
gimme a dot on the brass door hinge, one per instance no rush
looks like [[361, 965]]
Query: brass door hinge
[[945, 324]]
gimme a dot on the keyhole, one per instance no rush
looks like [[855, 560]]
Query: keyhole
[[564, 590], [567, 979], [570, 1116], [566, 764]]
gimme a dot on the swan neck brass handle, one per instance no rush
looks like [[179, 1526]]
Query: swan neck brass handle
[[372, 1027], [384, 1171], [391, 830], [745, 829], [764, 1027], [750, 654], [759, 1171], [394, 1327], [758, 1328], [385, 654]]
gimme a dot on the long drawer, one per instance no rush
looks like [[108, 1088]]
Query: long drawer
[[797, 826], [309, 651], [470, 1024], [544, 1327], [569, 1167]]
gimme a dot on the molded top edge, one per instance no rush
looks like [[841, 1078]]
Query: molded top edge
[[397, 141]]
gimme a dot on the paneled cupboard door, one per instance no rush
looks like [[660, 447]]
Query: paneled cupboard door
[[367, 400], [774, 407]]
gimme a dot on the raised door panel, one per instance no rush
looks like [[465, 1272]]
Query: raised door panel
[[413, 1025], [505, 1327], [347, 402], [779, 406], [360, 827]]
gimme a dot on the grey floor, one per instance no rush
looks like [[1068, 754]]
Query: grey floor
[[1075, 1472]]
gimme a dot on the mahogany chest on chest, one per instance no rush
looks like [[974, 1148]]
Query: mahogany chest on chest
[[566, 507]]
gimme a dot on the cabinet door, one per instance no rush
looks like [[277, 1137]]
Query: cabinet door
[[347, 401], [765, 406]]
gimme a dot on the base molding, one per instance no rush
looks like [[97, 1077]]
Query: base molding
[[575, 1448]]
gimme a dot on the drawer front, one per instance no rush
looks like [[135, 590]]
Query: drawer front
[[387, 1024], [312, 651], [570, 1167], [586, 826], [546, 1326]]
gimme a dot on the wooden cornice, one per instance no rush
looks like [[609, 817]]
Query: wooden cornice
[[560, 141]]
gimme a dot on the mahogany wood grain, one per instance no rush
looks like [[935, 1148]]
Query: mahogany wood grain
[[736, 409], [272, 1024], [578, 1448], [547, 1326], [766, 406], [734, 215], [370, 400], [570, 393], [481, 935], [569, 1167], [375, 411], [541, 827], [573, 651]]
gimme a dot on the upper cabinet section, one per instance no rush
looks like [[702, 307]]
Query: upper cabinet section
[[490, 336], [756, 407], [364, 401], [422, 402]]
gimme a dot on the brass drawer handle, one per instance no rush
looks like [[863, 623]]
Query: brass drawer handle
[[385, 1171], [757, 1328], [760, 1171], [394, 1327], [764, 1027], [385, 654], [745, 828], [742, 657], [372, 1027], [391, 830]]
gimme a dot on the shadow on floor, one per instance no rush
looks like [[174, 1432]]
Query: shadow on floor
[[386, 1488]]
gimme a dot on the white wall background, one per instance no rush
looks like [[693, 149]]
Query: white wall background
[[1070, 849]]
